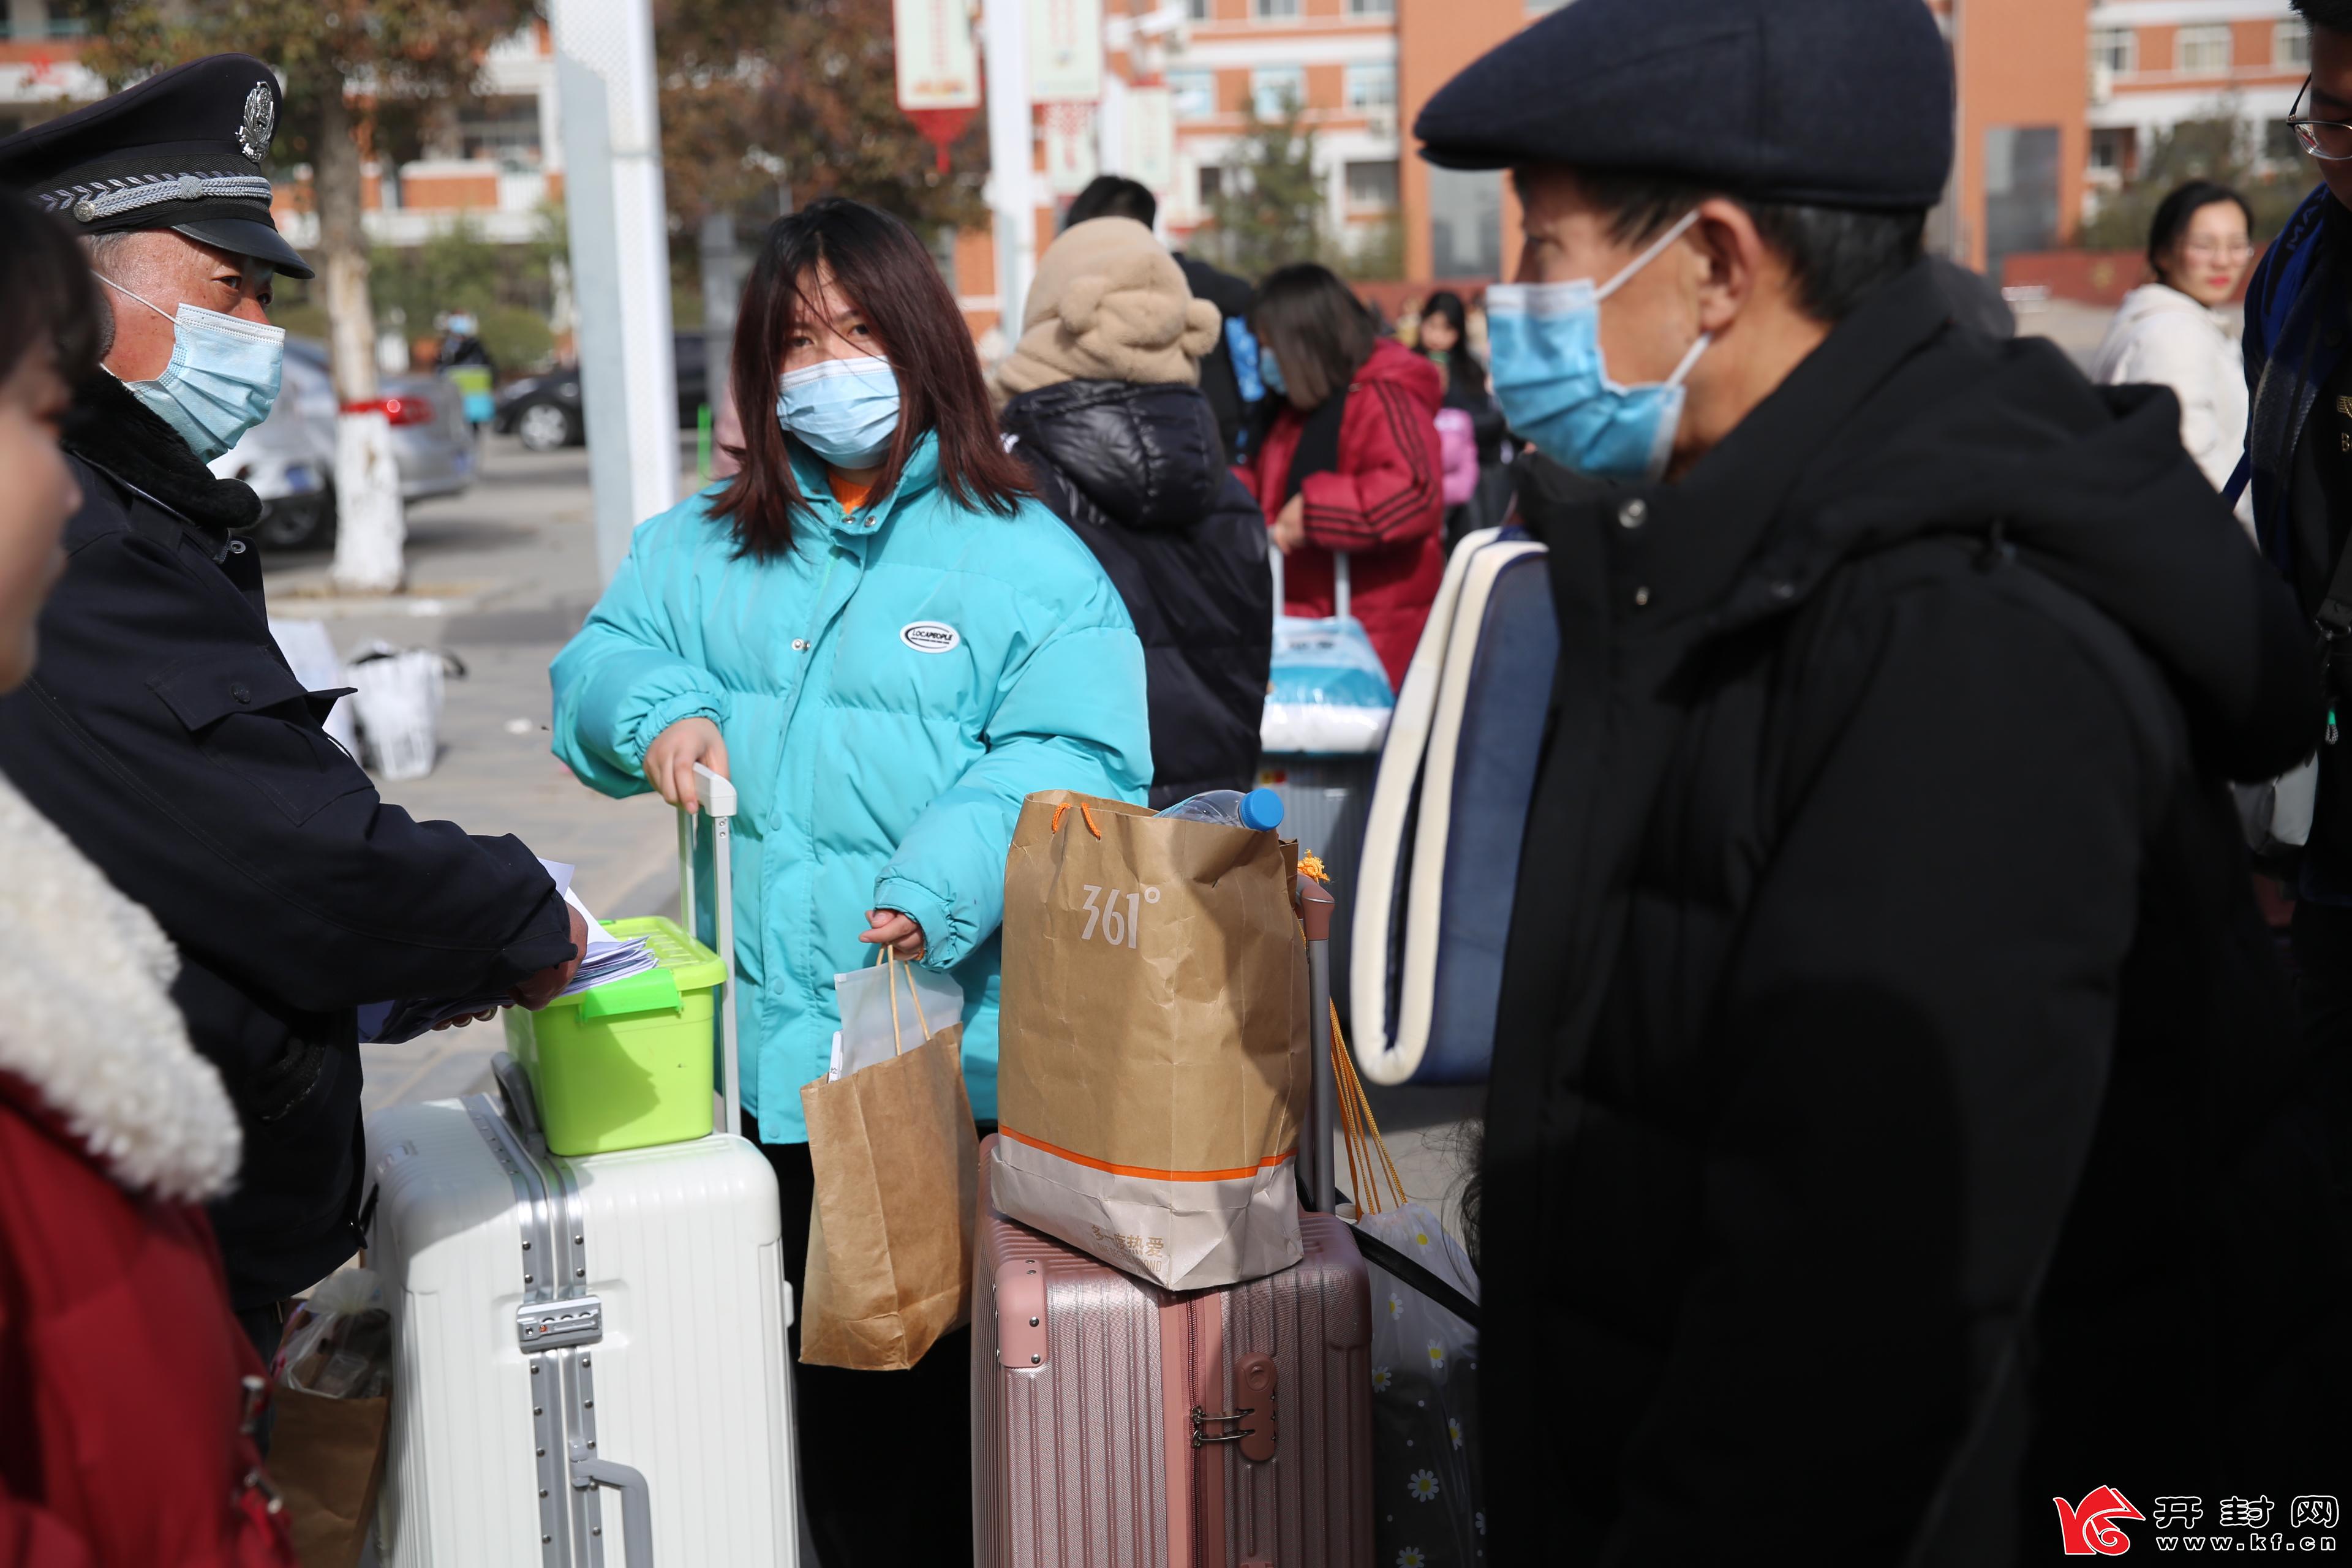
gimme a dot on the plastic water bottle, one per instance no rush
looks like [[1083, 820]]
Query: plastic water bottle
[[1258, 810]]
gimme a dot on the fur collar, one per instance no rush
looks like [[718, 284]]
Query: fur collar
[[89, 1024], [118, 433]]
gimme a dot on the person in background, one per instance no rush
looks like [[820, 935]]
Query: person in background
[[1349, 459], [1888, 1051], [466, 359], [1222, 381], [1124, 448], [2169, 331], [887, 646], [1444, 339], [164, 732], [125, 1432]]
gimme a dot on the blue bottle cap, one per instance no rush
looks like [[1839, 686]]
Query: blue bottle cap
[[1261, 809]]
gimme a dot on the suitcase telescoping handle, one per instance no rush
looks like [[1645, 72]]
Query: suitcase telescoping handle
[[1342, 595], [718, 800], [1317, 1170]]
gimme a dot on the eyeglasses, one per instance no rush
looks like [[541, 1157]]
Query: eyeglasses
[[2218, 250], [2328, 140]]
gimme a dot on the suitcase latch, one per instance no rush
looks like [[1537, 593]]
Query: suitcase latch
[[552, 1325], [1254, 1426]]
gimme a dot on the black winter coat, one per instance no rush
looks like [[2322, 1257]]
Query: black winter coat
[[1137, 472], [164, 734], [1896, 1118], [1220, 383]]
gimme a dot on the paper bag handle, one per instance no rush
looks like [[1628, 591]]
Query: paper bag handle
[[885, 955]]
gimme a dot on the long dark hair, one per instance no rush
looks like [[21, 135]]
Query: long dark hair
[[47, 294], [2178, 210], [1462, 371], [1319, 332], [878, 264]]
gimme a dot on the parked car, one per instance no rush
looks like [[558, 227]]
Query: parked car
[[289, 458], [543, 412]]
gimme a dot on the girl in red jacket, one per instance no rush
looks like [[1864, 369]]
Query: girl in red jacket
[[123, 1412], [1350, 462]]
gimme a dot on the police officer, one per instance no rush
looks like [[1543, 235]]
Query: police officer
[[1885, 1019], [164, 732]]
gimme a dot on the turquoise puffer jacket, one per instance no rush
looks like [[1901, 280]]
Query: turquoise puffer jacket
[[889, 692]]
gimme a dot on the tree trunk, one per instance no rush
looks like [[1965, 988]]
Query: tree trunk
[[370, 527]]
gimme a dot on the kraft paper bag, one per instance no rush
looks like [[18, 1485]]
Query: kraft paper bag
[[890, 1230], [1153, 1054], [326, 1456]]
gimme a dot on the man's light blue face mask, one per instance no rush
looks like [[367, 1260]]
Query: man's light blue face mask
[[1544, 343], [222, 379]]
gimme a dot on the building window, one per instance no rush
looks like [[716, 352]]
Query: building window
[[2203, 51], [1371, 87], [1466, 223], [1537, 7], [2291, 46], [1277, 91], [1372, 8], [1198, 10], [1213, 184], [2113, 150], [1372, 186], [2021, 182], [1192, 95], [501, 130], [2117, 48], [1276, 10]]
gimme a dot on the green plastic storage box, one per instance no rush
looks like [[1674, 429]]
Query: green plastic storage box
[[627, 1063]]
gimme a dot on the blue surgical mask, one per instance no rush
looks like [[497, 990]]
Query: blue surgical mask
[[1544, 342], [222, 378], [844, 410], [1269, 371]]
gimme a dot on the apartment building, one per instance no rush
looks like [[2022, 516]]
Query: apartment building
[[2155, 63]]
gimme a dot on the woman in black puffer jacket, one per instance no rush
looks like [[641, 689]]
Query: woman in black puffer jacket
[[1104, 403]]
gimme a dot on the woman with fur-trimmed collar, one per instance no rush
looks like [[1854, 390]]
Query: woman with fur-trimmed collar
[[123, 1433]]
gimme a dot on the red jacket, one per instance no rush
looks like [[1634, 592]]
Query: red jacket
[[120, 1406], [120, 1366], [1385, 505]]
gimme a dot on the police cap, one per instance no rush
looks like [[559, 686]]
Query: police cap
[[1843, 103], [183, 150]]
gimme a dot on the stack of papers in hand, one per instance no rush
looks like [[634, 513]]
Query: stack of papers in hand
[[608, 958]]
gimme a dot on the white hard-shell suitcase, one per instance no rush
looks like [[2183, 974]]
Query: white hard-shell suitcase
[[567, 1326]]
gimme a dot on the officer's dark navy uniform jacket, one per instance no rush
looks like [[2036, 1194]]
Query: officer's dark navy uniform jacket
[[164, 733]]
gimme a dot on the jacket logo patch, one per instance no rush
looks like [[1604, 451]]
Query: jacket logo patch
[[929, 636]]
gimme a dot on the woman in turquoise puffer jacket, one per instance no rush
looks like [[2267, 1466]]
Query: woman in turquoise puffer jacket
[[886, 646]]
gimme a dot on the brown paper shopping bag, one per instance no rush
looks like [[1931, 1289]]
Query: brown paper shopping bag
[[326, 1456], [890, 1231], [1153, 1067]]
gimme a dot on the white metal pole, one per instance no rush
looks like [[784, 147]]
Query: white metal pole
[[620, 261], [1011, 194]]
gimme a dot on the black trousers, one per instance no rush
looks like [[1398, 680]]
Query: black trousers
[[885, 1457]]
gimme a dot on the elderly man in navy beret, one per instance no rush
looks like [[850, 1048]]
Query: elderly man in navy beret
[[1885, 1022], [166, 735]]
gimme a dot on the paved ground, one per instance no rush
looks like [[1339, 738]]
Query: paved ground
[[502, 576]]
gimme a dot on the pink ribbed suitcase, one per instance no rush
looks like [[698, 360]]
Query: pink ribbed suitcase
[[1116, 1424]]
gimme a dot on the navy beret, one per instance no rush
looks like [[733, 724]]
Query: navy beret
[[182, 149], [1845, 103]]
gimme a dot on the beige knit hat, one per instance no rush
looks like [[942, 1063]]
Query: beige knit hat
[[1110, 304]]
